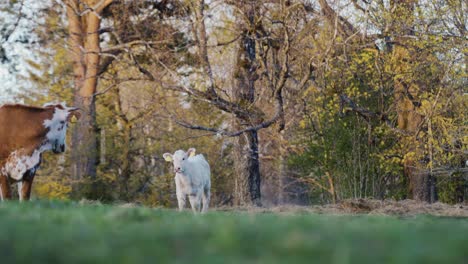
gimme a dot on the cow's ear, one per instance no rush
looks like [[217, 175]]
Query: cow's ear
[[73, 114], [191, 152], [167, 157]]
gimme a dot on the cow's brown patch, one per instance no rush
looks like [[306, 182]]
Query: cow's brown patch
[[22, 132]]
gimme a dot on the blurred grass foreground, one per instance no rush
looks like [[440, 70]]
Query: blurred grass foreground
[[70, 232]]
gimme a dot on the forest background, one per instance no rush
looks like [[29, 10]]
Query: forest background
[[292, 102]]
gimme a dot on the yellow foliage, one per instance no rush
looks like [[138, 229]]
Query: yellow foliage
[[52, 190], [302, 124]]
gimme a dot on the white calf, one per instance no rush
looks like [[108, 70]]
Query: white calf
[[192, 178]]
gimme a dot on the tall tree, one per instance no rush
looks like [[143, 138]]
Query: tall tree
[[84, 20], [406, 93], [262, 67], [246, 150]]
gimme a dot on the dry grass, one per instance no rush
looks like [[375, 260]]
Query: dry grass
[[365, 206], [345, 207]]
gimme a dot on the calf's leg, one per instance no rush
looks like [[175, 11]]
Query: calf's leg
[[206, 200], [195, 201], [181, 201]]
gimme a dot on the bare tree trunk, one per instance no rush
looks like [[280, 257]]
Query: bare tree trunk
[[83, 24], [247, 170], [253, 168], [247, 163], [125, 159], [84, 142], [102, 147], [282, 167]]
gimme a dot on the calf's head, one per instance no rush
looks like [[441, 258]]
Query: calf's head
[[179, 159], [57, 125]]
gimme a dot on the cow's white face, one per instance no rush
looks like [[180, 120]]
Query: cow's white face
[[179, 159], [57, 127]]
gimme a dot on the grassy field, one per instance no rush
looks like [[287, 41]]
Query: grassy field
[[67, 232]]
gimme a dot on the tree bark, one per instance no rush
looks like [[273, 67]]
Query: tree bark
[[282, 170], [84, 49], [84, 142], [248, 179], [125, 159]]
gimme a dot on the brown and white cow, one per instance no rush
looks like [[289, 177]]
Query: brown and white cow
[[25, 133]]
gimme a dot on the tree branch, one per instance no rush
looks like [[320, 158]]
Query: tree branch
[[225, 132], [369, 115], [224, 43], [15, 25], [126, 46], [202, 44], [345, 28], [96, 9]]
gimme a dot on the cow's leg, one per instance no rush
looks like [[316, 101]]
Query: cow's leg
[[20, 188], [206, 199], [24, 189], [5, 188]]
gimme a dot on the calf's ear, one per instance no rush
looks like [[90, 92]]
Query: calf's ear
[[167, 157], [191, 152]]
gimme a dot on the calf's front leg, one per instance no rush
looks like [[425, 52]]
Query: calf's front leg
[[195, 201], [181, 201], [180, 196]]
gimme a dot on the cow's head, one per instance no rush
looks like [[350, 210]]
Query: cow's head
[[179, 159], [57, 125]]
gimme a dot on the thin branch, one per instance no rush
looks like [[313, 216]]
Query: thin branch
[[126, 46], [225, 132], [219, 102], [197, 136], [282, 80], [106, 61], [105, 90], [359, 7], [141, 68], [345, 28], [15, 25], [225, 43], [96, 9], [369, 115], [306, 76]]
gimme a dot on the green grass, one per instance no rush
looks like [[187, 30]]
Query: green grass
[[66, 232]]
